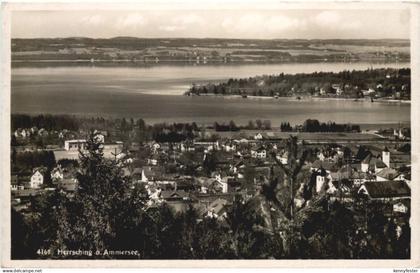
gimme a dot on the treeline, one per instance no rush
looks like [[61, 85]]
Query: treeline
[[48, 122], [286, 127], [313, 125], [28, 160], [351, 82], [226, 128]]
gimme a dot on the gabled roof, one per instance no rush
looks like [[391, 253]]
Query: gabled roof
[[258, 149], [387, 189], [346, 169], [41, 171], [358, 175], [218, 206], [380, 164], [388, 173], [318, 164], [173, 194], [136, 171], [367, 159]]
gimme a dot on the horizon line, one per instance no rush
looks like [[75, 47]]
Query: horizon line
[[214, 38]]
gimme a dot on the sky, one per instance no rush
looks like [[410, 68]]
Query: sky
[[214, 23]]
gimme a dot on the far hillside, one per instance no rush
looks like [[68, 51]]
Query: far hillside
[[143, 50]]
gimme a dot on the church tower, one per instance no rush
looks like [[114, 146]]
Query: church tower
[[386, 157]]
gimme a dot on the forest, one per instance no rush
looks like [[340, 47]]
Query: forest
[[386, 82]]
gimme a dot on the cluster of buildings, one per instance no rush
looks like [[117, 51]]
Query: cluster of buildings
[[377, 91], [209, 175]]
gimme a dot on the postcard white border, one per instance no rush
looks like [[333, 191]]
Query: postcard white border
[[8, 8]]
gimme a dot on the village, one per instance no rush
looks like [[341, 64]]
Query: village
[[209, 172]]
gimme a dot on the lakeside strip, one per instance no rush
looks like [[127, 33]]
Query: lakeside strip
[[304, 98]]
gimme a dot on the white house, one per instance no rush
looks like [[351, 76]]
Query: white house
[[228, 147], [400, 207], [320, 180], [259, 153], [144, 177], [57, 174], [152, 161], [283, 157], [75, 144], [155, 146], [37, 179], [365, 163], [99, 138], [258, 136]]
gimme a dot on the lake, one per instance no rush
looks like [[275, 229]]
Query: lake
[[154, 93]]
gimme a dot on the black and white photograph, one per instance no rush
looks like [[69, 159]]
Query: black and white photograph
[[186, 132]]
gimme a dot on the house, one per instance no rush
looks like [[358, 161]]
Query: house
[[337, 88], [155, 147], [321, 156], [368, 92], [229, 147], [15, 185], [283, 157], [329, 166], [22, 133], [75, 144], [386, 190], [321, 178], [379, 165], [359, 178], [152, 161], [14, 182], [37, 179], [258, 136], [178, 195], [346, 172], [373, 164], [386, 157], [240, 165], [259, 152], [217, 209], [68, 184], [220, 184], [99, 137], [144, 175], [365, 163], [57, 174], [387, 174], [401, 207], [136, 174], [224, 184]]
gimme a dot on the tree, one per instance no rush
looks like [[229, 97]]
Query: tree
[[267, 125], [94, 218], [259, 124], [277, 207], [251, 125]]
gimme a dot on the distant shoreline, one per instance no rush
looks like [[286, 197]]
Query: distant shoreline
[[303, 98], [181, 62]]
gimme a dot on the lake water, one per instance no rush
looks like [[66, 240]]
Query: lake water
[[154, 93]]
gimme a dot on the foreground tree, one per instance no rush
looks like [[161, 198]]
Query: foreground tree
[[103, 207]]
